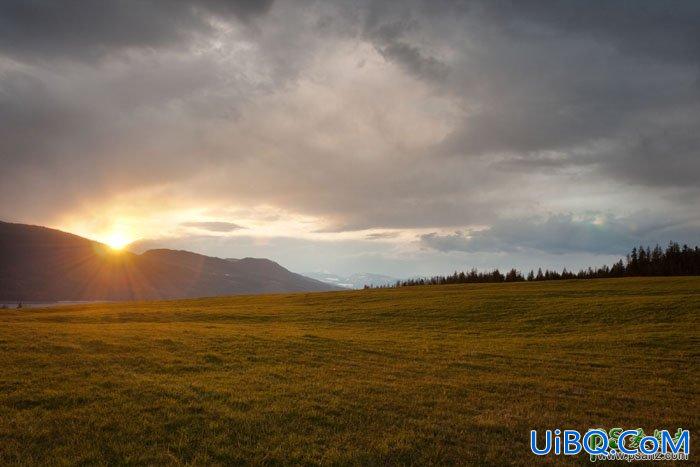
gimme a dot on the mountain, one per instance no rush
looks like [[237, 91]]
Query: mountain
[[354, 281], [42, 264]]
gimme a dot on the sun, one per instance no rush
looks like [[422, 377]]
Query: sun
[[117, 240]]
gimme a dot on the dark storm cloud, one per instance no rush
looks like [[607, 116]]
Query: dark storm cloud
[[662, 30], [389, 38], [91, 29], [562, 76], [663, 156], [563, 233], [366, 115], [415, 61], [214, 226], [557, 234]]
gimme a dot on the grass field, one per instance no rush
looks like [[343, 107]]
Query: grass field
[[450, 374]]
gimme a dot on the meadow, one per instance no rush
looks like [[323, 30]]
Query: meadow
[[418, 375]]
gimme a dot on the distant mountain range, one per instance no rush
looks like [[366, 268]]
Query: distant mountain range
[[354, 281], [42, 264]]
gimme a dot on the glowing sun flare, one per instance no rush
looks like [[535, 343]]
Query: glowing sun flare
[[117, 240]]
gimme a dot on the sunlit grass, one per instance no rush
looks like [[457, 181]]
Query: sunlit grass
[[415, 375]]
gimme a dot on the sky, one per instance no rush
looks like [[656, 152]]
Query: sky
[[396, 137]]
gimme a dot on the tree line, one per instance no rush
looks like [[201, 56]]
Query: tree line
[[673, 261]]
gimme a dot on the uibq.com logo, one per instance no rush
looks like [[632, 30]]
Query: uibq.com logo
[[616, 444]]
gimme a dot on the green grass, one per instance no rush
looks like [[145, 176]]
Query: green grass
[[449, 374]]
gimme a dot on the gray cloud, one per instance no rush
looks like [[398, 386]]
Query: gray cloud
[[381, 235], [214, 226], [664, 156], [563, 233], [567, 77], [640, 27], [390, 40], [365, 115], [92, 29]]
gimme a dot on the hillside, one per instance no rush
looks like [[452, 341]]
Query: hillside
[[419, 375], [41, 264], [354, 281]]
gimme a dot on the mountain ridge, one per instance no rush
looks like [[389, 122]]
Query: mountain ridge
[[42, 264], [354, 281]]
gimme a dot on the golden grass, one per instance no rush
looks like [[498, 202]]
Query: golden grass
[[450, 374]]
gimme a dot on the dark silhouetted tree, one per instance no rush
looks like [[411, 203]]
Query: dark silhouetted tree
[[673, 261]]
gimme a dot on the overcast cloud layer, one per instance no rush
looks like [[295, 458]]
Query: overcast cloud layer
[[397, 137]]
